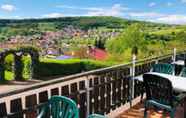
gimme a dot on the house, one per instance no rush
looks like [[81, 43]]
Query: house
[[98, 54]]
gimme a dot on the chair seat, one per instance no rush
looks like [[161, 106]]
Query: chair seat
[[157, 104], [163, 68], [159, 93], [59, 107], [183, 72]]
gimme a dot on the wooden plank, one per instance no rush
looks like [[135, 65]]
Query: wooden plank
[[65, 91], [31, 101], [102, 94], [82, 100], [54, 91], [114, 94], [3, 111], [96, 95], [16, 106], [108, 93]]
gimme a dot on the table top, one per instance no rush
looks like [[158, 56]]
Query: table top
[[178, 82], [179, 62]]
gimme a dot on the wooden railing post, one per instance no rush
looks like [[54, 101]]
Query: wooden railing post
[[132, 73], [174, 55], [156, 61], [87, 88], [184, 55]]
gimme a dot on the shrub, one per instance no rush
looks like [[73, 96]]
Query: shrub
[[26, 60], [92, 64], [9, 75], [9, 60], [48, 68], [51, 67]]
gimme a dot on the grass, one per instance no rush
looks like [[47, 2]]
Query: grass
[[167, 31], [9, 75], [67, 61]]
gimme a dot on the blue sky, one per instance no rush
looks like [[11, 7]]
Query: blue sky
[[164, 11]]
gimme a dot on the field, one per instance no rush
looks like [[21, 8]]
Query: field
[[74, 36]]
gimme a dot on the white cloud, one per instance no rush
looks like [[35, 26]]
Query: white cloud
[[183, 1], [145, 14], [152, 4], [115, 10], [10, 17], [169, 4], [172, 19], [53, 15], [159, 18], [79, 8], [86, 8], [8, 7]]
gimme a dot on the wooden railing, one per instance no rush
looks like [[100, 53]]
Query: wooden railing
[[99, 91]]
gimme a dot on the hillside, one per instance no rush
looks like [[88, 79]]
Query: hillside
[[81, 22], [29, 27]]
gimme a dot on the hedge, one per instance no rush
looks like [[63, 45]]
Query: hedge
[[8, 62], [93, 64], [50, 68], [9, 57]]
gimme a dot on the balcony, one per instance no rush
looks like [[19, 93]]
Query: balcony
[[137, 111], [110, 91]]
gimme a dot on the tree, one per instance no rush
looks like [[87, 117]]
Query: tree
[[181, 36], [100, 43], [133, 37]]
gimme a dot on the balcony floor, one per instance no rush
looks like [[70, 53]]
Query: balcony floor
[[138, 110], [15, 85]]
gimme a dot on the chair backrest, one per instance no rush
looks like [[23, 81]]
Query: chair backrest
[[96, 116], [61, 107], [158, 89], [163, 68], [183, 72]]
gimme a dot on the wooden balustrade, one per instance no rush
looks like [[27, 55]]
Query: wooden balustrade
[[98, 91]]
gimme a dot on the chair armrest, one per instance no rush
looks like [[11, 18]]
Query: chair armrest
[[42, 111], [180, 97]]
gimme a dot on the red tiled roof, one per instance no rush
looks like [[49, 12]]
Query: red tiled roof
[[98, 54]]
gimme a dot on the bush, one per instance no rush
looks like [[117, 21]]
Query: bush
[[48, 68], [26, 60], [92, 65], [9, 60], [51, 67], [9, 75]]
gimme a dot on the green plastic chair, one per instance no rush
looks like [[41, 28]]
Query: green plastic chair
[[183, 72], [159, 92], [163, 68], [60, 107], [96, 116]]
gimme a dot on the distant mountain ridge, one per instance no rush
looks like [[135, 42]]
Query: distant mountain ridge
[[80, 22], [29, 27]]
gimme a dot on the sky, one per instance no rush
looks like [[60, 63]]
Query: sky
[[163, 11]]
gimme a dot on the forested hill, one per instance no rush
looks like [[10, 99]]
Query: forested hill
[[30, 27], [79, 22]]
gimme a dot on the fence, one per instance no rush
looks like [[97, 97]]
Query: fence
[[98, 91]]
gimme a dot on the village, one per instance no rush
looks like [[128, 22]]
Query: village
[[65, 43]]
